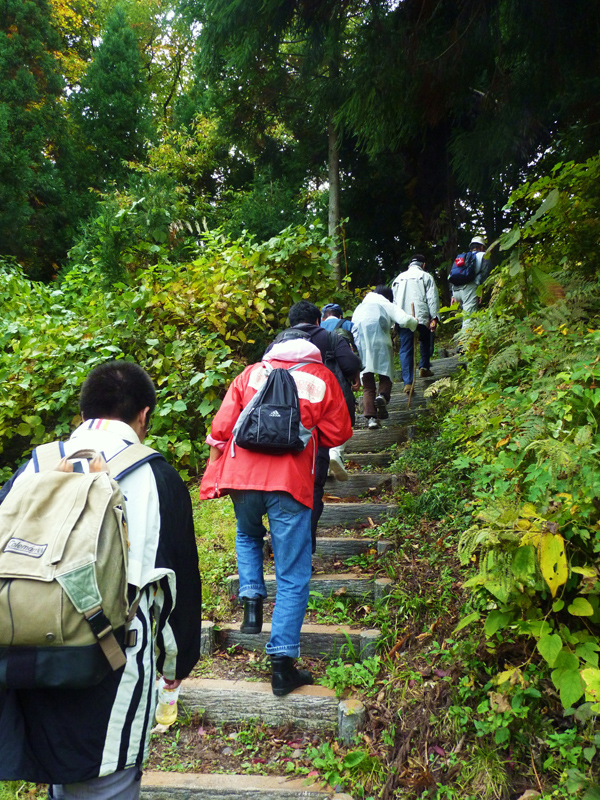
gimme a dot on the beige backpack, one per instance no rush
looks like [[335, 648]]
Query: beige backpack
[[64, 609]]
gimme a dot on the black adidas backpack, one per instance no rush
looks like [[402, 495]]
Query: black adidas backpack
[[271, 423]]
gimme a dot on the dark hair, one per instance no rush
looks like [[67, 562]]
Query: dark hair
[[304, 312], [117, 390], [417, 257], [385, 291]]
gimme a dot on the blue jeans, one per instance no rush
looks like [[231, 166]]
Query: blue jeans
[[289, 522], [407, 351]]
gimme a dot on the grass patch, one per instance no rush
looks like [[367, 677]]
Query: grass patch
[[214, 524]]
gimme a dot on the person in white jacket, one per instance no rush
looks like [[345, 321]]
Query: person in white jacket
[[415, 293], [372, 324]]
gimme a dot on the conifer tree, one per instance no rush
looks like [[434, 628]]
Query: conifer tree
[[32, 215], [113, 104]]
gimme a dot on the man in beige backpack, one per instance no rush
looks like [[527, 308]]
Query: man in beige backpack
[[92, 742]]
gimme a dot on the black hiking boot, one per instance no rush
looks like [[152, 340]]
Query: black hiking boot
[[253, 615], [285, 677]]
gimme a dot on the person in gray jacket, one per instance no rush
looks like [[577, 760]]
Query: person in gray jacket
[[415, 293], [466, 295]]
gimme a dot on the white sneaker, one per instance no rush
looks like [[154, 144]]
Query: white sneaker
[[373, 423], [337, 468]]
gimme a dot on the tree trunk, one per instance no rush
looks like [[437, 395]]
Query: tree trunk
[[334, 198]]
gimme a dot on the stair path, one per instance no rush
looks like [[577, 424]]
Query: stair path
[[310, 707]]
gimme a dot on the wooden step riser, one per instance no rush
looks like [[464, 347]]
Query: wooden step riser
[[316, 641], [190, 786], [343, 547], [365, 441], [353, 515], [365, 589], [370, 460], [359, 483], [308, 708]]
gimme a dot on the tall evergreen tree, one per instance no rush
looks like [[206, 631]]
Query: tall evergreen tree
[[273, 61], [113, 104], [32, 214]]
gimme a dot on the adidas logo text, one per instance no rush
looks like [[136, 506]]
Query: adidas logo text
[[275, 413]]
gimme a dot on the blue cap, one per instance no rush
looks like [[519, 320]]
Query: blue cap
[[333, 307]]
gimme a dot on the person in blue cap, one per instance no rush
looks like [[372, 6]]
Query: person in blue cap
[[332, 320]]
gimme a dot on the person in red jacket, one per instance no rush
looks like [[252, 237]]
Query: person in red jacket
[[280, 486]]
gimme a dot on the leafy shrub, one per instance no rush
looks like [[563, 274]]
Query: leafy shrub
[[191, 325], [525, 425]]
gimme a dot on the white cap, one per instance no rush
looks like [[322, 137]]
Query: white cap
[[478, 240]]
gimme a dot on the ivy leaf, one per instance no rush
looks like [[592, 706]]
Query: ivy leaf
[[553, 561], [591, 678], [580, 607], [546, 206], [587, 572], [473, 617], [496, 621], [570, 686], [523, 565], [550, 647], [509, 239]]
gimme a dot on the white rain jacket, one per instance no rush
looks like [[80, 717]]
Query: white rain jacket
[[372, 322], [415, 286]]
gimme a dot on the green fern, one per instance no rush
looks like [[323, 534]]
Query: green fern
[[504, 361]]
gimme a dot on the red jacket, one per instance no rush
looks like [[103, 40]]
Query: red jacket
[[322, 407]]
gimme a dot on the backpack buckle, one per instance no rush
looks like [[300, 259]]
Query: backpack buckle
[[99, 624]]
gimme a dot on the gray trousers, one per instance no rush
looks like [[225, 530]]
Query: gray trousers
[[467, 297], [122, 785]]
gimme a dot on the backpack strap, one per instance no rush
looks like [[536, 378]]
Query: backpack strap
[[46, 456], [129, 458]]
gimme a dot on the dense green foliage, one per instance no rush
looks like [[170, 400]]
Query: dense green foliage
[[191, 324], [524, 425]]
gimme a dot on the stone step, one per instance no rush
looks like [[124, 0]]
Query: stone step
[[316, 641], [362, 587], [341, 547], [309, 707], [200, 786], [360, 482], [351, 515]]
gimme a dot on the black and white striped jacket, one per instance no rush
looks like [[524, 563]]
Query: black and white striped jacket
[[72, 735]]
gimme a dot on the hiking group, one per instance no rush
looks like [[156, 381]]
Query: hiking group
[[100, 591]]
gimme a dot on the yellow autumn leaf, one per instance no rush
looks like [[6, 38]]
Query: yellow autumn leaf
[[523, 524], [502, 442], [529, 510], [532, 537], [553, 560]]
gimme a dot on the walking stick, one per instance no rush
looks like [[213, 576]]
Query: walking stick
[[412, 386]]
